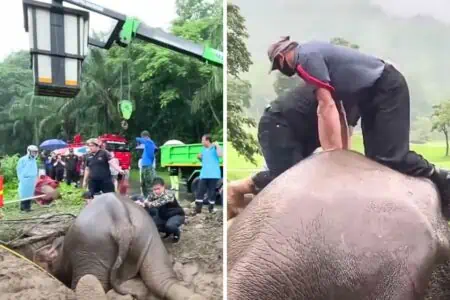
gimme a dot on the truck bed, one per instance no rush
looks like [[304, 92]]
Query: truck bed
[[182, 155]]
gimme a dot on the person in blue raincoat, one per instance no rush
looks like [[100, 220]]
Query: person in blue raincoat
[[27, 173]]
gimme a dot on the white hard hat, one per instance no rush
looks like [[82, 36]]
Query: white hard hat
[[32, 148]]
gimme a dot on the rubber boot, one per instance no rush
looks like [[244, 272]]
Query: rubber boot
[[211, 208], [441, 178], [198, 206]]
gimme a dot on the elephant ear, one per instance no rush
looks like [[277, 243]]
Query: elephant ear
[[49, 253]]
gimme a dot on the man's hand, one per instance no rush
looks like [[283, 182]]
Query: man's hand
[[239, 195]]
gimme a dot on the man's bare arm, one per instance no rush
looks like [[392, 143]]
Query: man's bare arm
[[350, 133], [328, 120]]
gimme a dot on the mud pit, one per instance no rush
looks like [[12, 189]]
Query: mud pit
[[22, 280], [197, 260], [198, 256]]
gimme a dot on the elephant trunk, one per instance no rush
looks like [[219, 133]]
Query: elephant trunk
[[179, 292], [161, 279]]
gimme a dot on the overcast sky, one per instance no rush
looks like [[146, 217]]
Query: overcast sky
[[438, 9], [156, 13]]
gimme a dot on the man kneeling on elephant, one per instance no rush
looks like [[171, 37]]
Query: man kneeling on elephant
[[164, 209]]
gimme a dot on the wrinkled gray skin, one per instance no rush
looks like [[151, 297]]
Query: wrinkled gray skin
[[337, 226], [114, 240]]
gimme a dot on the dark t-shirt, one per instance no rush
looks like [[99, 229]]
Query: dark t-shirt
[[299, 108], [345, 72], [71, 162], [98, 165]]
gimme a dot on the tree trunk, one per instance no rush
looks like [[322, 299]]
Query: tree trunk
[[35, 132], [446, 142]]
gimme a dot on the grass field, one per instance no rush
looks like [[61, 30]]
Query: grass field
[[238, 167]]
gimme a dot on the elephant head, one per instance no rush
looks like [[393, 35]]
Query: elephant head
[[50, 257]]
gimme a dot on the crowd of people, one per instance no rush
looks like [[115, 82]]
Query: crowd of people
[[99, 172]]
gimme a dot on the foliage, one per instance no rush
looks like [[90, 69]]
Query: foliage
[[174, 96], [421, 130], [238, 123], [441, 121], [238, 56], [284, 84], [71, 201], [8, 168], [343, 42], [238, 91]]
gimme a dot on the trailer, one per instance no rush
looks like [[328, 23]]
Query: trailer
[[184, 159]]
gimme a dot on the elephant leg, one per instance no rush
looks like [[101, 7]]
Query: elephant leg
[[160, 277], [89, 287], [99, 271]]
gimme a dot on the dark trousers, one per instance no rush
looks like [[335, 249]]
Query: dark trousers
[[207, 186], [169, 226], [282, 146], [385, 123], [25, 205], [71, 176], [59, 174], [96, 186]]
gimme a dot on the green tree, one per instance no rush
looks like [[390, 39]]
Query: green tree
[[343, 42], [441, 121], [239, 125], [421, 130], [284, 84]]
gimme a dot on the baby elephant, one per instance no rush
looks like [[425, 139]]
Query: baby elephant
[[337, 226], [115, 240]]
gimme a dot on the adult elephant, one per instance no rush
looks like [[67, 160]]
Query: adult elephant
[[337, 226], [114, 240]]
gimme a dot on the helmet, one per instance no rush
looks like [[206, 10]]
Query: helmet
[[93, 141], [31, 149]]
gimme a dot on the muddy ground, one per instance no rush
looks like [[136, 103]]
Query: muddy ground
[[197, 259]]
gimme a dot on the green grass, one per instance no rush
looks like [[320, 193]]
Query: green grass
[[238, 167], [71, 202]]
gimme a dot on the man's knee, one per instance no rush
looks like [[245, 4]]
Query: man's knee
[[262, 179]]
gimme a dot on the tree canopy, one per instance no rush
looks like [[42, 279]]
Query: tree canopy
[[175, 96], [239, 90]]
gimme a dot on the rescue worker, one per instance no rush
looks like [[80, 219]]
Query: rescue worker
[[97, 176], [164, 209], [148, 157], [209, 174], [71, 161], [27, 173], [287, 134], [381, 94]]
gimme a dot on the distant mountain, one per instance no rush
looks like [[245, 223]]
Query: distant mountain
[[419, 46]]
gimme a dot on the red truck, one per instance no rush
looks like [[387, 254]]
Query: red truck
[[119, 146], [114, 143]]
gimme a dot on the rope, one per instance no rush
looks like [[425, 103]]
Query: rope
[[29, 229], [23, 257]]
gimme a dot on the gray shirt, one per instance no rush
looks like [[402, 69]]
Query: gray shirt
[[344, 71]]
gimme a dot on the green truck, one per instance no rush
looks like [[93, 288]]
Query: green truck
[[184, 159]]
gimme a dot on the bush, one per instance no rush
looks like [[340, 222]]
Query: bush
[[8, 166]]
